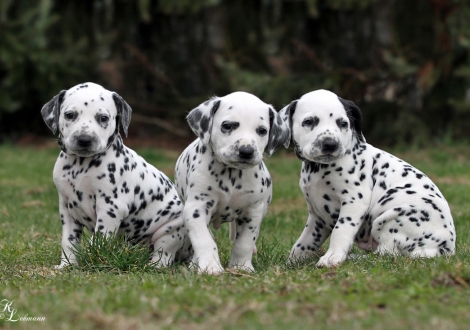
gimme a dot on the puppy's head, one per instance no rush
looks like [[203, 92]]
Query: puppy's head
[[323, 126], [87, 117], [238, 128]]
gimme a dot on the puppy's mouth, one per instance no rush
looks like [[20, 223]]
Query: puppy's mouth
[[317, 156], [83, 152], [325, 159], [242, 165]]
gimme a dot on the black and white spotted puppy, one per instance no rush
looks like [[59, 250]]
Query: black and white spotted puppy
[[221, 176], [105, 186], [358, 193]]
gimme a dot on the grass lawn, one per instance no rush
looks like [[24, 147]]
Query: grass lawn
[[370, 292]]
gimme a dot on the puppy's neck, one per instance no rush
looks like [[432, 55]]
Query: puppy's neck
[[117, 146], [358, 148]]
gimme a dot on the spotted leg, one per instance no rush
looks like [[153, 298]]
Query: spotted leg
[[232, 229], [247, 232], [168, 241], [206, 255], [342, 237], [71, 234], [316, 231], [109, 216]]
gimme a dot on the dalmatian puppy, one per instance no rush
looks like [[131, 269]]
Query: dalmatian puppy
[[358, 193], [105, 186], [221, 176]]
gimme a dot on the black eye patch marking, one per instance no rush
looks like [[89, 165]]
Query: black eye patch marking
[[102, 119], [261, 131], [310, 122], [343, 124], [229, 126], [70, 115]]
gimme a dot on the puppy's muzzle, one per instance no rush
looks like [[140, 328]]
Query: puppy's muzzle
[[246, 152], [84, 141], [329, 145], [83, 144]]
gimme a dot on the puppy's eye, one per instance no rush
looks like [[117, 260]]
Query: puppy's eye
[[103, 119], [307, 122], [310, 121], [227, 126], [70, 115], [262, 131], [342, 123]]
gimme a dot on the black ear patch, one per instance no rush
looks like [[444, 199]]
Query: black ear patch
[[124, 112], [355, 117], [290, 112], [286, 114], [200, 119], [205, 120], [279, 132], [193, 118], [51, 110]]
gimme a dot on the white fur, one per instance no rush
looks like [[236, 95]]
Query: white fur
[[358, 193], [105, 186], [217, 185]]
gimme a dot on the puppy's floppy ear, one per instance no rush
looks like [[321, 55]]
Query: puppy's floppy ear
[[355, 117], [286, 114], [51, 110], [200, 119], [124, 111], [279, 132]]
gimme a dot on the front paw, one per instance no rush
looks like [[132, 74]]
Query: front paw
[[332, 259], [64, 264], [300, 253], [246, 266], [208, 265], [161, 259]]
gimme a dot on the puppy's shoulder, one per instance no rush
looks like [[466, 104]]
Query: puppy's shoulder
[[385, 159], [196, 153], [63, 158]]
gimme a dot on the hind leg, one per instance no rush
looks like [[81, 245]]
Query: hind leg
[[425, 253], [401, 231], [315, 232], [168, 241], [388, 233]]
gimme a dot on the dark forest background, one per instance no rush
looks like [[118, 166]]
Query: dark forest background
[[404, 62]]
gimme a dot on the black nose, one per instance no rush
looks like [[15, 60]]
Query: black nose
[[246, 152], [329, 145], [84, 140]]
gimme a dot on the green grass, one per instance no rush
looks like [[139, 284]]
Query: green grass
[[370, 292]]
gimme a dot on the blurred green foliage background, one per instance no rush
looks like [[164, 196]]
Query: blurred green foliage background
[[405, 63]]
